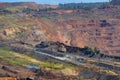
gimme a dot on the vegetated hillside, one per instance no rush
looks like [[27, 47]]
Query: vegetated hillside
[[97, 27], [79, 5], [14, 64]]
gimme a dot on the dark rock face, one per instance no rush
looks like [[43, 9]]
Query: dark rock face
[[88, 74], [29, 79], [9, 70], [108, 77]]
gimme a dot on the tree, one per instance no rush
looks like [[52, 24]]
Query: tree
[[96, 50], [115, 2], [88, 50]]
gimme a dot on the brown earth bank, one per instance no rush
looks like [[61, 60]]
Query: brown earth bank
[[103, 34], [32, 5]]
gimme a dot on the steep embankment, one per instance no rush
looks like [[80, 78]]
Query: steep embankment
[[94, 28]]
